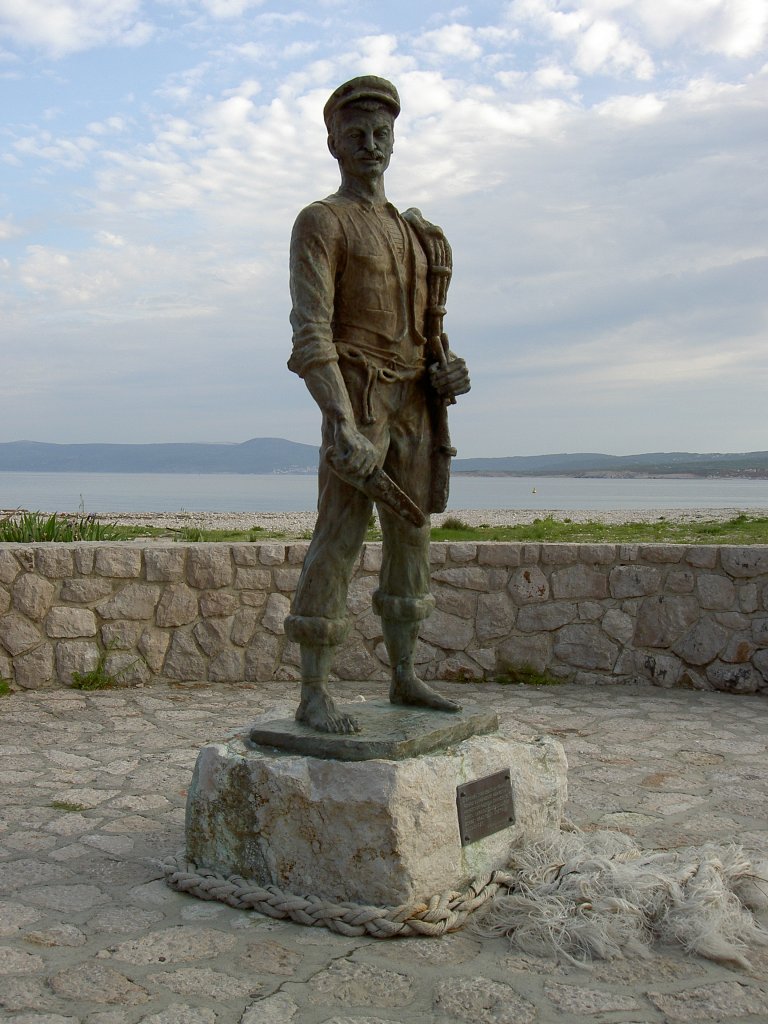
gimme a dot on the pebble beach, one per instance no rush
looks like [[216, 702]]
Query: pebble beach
[[300, 523]]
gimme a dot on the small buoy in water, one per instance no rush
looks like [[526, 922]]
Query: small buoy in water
[[533, 491]]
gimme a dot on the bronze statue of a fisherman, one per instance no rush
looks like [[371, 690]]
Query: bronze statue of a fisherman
[[368, 290]]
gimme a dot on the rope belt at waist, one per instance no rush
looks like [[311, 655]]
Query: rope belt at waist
[[376, 367]]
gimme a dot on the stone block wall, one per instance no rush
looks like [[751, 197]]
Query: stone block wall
[[671, 615]]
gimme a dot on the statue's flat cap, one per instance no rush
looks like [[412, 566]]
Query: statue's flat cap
[[366, 87]]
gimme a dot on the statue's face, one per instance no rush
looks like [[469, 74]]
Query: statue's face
[[362, 142]]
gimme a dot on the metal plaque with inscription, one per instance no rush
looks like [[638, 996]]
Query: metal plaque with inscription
[[485, 806]]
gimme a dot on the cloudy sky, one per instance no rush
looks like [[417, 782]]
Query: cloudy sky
[[598, 165]]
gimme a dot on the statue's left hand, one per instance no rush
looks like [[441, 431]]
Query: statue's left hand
[[450, 380]]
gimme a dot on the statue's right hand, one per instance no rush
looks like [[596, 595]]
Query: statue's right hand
[[353, 452]]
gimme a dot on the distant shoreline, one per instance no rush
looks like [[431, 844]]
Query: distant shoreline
[[298, 523]]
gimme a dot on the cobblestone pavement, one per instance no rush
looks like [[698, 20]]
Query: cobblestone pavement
[[93, 789]]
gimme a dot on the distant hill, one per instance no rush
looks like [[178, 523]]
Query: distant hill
[[589, 464], [259, 455], [276, 455]]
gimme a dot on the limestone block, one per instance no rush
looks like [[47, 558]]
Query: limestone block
[[6, 667], [702, 558], [70, 622], [278, 607], [456, 602], [212, 635], [360, 593], [467, 577], [499, 554], [120, 562], [271, 553], [715, 592], [218, 603], [629, 552], [245, 554], [738, 650], [177, 606], [226, 667], [261, 658], [244, 624], [585, 646], [165, 565], [661, 553], [5, 600], [371, 557], [529, 585], [732, 620], [590, 611], [553, 615], [748, 598], [133, 601], [32, 595], [153, 644], [286, 579], [525, 652], [702, 643], [84, 591], [53, 561], [253, 598], [9, 567], [663, 620], [530, 554], [297, 552], [633, 581], [760, 661], [597, 554], [127, 669], [447, 631], [17, 634], [209, 566], [462, 552], [661, 669], [559, 554], [352, 661], [734, 678], [759, 631], [122, 636], [34, 669], [368, 625], [248, 578], [184, 662], [459, 668], [680, 582], [75, 656], [497, 579], [381, 832], [618, 625], [438, 554], [744, 562], [84, 559], [495, 616]]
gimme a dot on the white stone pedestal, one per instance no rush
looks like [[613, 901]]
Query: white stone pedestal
[[380, 832]]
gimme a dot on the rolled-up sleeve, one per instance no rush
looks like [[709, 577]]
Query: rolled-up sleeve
[[316, 248]]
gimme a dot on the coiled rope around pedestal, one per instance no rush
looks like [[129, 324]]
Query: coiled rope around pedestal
[[570, 894], [445, 912]]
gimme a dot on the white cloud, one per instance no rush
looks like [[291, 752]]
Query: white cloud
[[455, 41], [66, 26], [9, 230], [229, 8]]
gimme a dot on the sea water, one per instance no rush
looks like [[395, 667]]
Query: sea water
[[278, 492]]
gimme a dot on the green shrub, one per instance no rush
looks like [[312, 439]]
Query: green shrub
[[5, 686], [98, 678], [34, 527]]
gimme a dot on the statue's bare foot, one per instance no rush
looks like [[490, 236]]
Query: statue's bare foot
[[407, 688], [319, 711]]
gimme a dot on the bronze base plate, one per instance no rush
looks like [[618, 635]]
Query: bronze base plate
[[387, 731]]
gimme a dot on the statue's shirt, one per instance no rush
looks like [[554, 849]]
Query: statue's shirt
[[358, 279]]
